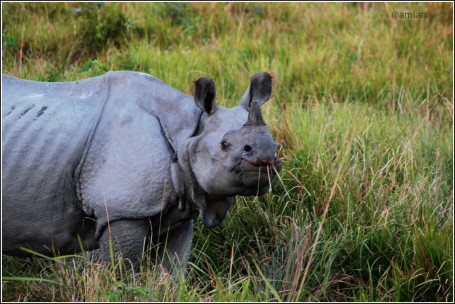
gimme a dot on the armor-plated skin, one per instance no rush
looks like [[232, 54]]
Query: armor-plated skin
[[124, 155]]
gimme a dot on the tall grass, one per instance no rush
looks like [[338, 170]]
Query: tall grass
[[362, 108]]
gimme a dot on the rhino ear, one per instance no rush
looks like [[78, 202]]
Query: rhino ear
[[204, 95], [260, 89]]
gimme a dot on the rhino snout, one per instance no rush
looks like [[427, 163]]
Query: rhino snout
[[258, 168], [264, 157]]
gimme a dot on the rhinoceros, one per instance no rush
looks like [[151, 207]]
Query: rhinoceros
[[127, 159]]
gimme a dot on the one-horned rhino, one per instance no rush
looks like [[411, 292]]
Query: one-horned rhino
[[127, 158]]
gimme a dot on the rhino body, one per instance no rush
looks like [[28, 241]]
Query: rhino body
[[126, 157]]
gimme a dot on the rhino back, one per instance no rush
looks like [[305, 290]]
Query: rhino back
[[45, 130]]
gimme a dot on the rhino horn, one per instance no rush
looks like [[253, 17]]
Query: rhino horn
[[255, 115]]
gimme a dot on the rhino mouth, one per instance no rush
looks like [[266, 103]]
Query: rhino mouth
[[257, 174], [263, 163]]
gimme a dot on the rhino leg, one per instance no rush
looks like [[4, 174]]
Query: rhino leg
[[129, 237], [175, 247]]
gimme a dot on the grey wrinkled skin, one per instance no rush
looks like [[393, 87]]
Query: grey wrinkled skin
[[125, 157]]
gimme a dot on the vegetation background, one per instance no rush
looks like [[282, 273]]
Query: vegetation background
[[362, 108]]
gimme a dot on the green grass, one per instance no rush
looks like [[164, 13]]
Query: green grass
[[362, 108]]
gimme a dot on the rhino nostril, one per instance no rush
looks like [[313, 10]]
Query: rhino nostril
[[247, 148]]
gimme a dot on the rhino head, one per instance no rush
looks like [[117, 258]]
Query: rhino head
[[233, 152]]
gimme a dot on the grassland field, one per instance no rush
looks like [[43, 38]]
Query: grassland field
[[363, 111]]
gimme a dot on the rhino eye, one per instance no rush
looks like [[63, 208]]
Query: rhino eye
[[224, 144]]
